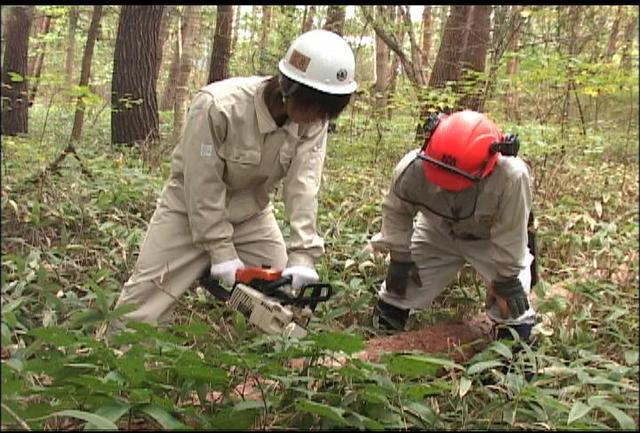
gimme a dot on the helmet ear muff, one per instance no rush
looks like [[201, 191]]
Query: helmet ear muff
[[430, 125]]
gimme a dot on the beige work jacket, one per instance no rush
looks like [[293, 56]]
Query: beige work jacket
[[497, 220], [230, 159]]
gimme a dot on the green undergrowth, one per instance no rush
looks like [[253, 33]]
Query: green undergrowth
[[69, 243]]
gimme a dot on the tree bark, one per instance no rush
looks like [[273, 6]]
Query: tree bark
[[382, 64], [85, 72], [630, 32], [447, 63], [169, 94], [191, 29], [164, 34], [71, 44], [335, 19], [395, 44], [307, 20], [37, 67], [474, 58], [134, 103], [426, 36], [221, 52], [264, 39], [14, 71], [613, 36], [236, 28]]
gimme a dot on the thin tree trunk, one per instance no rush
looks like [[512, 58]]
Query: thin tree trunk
[[474, 57], [191, 29], [85, 72], [513, 94], [613, 36], [630, 32], [236, 28], [14, 72], [426, 36], [264, 38], [164, 34], [134, 118], [307, 20], [382, 64], [335, 19], [169, 94], [71, 44], [221, 52], [39, 61]]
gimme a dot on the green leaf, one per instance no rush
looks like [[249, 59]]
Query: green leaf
[[624, 420], [164, 418], [112, 411], [322, 410], [250, 405], [417, 365], [578, 410], [228, 419], [15, 77], [631, 357], [99, 423], [339, 341], [501, 349], [481, 366], [56, 336], [465, 386]]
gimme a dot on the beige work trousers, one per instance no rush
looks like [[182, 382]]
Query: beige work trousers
[[169, 261], [438, 258]]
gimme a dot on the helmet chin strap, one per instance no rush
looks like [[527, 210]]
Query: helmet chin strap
[[285, 94]]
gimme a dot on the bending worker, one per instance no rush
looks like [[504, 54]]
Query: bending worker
[[471, 204], [242, 137]]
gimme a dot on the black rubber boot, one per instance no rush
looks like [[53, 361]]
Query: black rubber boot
[[524, 332], [387, 317]]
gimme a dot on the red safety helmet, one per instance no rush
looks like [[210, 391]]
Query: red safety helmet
[[460, 149]]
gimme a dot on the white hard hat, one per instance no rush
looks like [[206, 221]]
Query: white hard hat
[[321, 60]]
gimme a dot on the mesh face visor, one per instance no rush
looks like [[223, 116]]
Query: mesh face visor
[[453, 206]]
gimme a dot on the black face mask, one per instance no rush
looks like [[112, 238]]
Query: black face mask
[[453, 206]]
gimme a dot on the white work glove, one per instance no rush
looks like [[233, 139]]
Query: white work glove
[[226, 271], [301, 276]]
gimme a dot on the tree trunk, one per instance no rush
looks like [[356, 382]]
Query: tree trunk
[[165, 25], [134, 104], [613, 36], [426, 36], [85, 72], [513, 93], [630, 32], [191, 29], [382, 64], [14, 71], [236, 28], [169, 94], [474, 58], [335, 19], [37, 67], [447, 63], [264, 39], [307, 21], [71, 44], [221, 52]]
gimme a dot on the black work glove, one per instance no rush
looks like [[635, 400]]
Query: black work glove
[[398, 276], [513, 294]]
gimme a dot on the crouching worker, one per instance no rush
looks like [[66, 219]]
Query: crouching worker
[[471, 199], [242, 137]]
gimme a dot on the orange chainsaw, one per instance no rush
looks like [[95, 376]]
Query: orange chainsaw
[[265, 297]]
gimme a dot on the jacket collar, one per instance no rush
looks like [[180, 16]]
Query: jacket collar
[[266, 124]]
